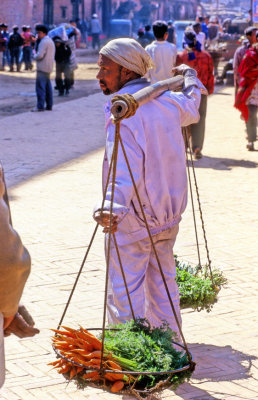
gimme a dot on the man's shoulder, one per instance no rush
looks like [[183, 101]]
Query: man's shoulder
[[150, 46]]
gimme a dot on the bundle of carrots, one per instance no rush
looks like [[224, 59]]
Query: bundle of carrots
[[82, 347]]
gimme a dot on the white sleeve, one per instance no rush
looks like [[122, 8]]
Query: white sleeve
[[42, 49], [188, 105]]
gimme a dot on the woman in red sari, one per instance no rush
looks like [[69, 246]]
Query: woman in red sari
[[247, 94]]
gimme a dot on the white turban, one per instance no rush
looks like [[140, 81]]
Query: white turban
[[128, 53]]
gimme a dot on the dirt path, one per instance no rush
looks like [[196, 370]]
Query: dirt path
[[18, 95]]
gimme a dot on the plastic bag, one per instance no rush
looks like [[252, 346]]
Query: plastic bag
[[59, 31]]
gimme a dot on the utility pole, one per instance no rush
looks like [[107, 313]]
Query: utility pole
[[106, 15], [93, 7], [83, 9]]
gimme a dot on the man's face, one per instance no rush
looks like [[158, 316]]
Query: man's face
[[41, 35], [197, 29], [109, 75]]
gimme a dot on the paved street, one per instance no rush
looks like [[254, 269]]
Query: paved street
[[53, 164]]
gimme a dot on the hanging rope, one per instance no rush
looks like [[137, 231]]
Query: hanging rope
[[185, 131], [156, 256], [88, 249], [115, 153], [200, 210]]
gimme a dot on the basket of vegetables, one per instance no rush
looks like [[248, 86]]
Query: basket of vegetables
[[196, 287], [130, 358]]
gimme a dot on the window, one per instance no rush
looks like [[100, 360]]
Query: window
[[63, 11], [48, 12]]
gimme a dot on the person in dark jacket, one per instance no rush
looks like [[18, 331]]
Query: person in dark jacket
[[14, 45], [148, 34], [63, 72]]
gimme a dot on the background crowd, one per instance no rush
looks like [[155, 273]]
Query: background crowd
[[199, 43]]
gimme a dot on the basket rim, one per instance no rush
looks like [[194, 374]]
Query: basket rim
[[171, 372]]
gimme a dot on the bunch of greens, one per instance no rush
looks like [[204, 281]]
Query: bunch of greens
[[195, 286], [148, 349]]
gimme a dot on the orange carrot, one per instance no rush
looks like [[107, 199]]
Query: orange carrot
[[56, 362], [113, 377], [113, 365], [69, 334], [117, 386], [72, 373], [90, 375]]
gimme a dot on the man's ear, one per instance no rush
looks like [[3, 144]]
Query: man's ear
[[127, 75]]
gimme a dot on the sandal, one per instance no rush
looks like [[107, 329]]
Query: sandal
[[250, 146]]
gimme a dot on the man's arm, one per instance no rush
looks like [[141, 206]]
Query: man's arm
[[42, 49], [14, 260]]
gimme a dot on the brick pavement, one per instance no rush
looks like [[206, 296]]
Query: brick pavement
[[53, 163]]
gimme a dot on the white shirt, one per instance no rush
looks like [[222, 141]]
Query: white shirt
[[155, 149], [163, 54], [201, 39]]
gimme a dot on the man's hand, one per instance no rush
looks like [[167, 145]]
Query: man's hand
[[182, 69], [22, 324], [103, 218]]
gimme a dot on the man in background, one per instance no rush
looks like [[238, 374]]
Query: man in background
[[14, 45], [148, 35], [95, 31], [45, 58], [171, 33], [200, 36], [162, 53], [6, 55]]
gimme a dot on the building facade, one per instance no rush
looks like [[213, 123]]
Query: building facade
[[54, 12], [50, 12]]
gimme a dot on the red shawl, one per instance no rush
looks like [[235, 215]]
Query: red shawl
[[248, 70]]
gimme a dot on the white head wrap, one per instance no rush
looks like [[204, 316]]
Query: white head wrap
[[128, 53]]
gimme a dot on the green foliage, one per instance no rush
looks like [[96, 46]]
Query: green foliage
[[195, 286], [148, 350]]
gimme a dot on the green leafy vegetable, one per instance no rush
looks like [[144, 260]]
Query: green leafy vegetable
[[149, 350], [195, 286]]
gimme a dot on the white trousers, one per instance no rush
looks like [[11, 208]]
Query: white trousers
[[145, 284], [2, 360]]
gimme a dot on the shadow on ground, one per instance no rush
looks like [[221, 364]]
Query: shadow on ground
[[213, 365], [225, 164], [210, 360]]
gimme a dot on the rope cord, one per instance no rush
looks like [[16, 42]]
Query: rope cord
[[131, 104], [88, 250], [155, 252], [124, 279], [185, 134], [115, 153], [201, 215]]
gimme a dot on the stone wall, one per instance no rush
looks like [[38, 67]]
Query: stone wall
[[30, 12]]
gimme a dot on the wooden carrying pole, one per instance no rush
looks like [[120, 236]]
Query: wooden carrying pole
[[119, 107]]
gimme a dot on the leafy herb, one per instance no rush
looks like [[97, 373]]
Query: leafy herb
[[150, 349], [195, 286]]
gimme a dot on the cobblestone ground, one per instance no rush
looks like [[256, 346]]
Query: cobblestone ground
[[53, 170]]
